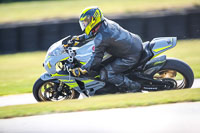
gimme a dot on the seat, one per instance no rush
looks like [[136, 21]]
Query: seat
[[146, 54]]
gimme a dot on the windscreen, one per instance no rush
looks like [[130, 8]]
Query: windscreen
[[56, 49]]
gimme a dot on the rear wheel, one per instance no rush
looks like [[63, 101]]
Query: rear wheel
[[53, 90], [177, 72]]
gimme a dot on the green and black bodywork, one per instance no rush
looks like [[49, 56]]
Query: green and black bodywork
[[154, 72]]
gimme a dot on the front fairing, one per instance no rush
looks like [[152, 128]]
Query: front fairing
[[84, 53], [56, 49], [57, 53]]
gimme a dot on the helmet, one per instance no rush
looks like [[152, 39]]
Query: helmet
[[90, 18]]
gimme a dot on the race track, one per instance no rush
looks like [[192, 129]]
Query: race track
[[170, 118]]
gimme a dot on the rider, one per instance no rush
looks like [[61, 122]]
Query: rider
[[109, 37]]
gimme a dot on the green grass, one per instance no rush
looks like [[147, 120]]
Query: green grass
[[188, 51], [18, 72], [38, 10], [102, 102]]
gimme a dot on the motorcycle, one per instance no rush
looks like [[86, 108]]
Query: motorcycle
[[154, 72]]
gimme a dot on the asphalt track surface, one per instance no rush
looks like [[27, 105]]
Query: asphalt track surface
[[169, 118], [29, 99]]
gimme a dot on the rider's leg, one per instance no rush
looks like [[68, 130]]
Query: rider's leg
[[114, 75]]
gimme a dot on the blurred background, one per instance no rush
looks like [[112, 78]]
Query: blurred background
[[29, 27]]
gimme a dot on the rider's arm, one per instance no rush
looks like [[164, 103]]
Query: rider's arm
[[97, 55]]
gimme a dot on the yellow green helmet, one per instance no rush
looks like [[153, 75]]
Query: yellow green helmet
[[90, 18]]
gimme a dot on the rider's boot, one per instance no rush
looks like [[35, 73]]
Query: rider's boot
[[130, 86]]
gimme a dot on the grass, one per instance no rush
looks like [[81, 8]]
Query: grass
[[102, 102], [188, 51], [18, 72], [38, 10]]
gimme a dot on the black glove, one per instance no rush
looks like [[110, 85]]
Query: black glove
[[70, 43], [78, 71], [75, 38]]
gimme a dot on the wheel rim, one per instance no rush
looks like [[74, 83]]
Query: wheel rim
[[48, 92], [171, 74]]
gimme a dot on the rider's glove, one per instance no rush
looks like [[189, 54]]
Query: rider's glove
[[76, 40], [78, 71], [70, 43], [80, 38]]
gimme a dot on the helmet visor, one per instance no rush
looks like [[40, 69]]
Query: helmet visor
[[83, 25]]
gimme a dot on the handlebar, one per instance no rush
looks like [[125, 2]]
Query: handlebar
[[71, 43], [68, 42]]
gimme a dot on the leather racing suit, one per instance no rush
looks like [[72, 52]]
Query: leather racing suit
[[126, 47]]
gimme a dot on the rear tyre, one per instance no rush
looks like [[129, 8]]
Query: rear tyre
[[178, 71], [48, 91]]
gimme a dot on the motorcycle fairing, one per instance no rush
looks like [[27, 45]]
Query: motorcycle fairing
[[46, 76], [84, 53], [154, 65], [161, 44], [89, 86], [64, 78]]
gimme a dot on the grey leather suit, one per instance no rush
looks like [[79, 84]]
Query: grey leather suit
[[126, 47]]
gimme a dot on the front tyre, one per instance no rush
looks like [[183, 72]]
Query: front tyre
[[52, 90], [177, 71]]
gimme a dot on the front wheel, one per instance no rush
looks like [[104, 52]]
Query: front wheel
[[53, 90], [177, 71]]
